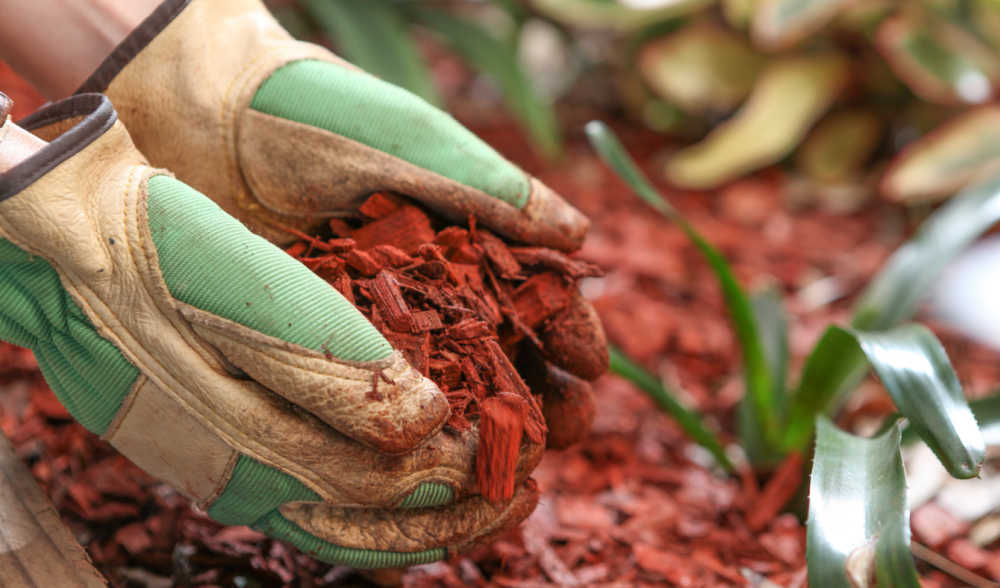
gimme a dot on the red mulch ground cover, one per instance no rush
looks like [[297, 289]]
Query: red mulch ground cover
[[633, 505]]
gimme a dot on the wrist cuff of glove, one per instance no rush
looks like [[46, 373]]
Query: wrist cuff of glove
[[132, 45], [98, 116]]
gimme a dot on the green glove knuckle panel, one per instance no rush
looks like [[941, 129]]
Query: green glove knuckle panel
[[388, 118], [255, 491], [88, 373], [212, 262]]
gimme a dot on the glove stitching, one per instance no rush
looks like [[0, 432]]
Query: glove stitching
[[317, 372], [125, 408], [227, 476]]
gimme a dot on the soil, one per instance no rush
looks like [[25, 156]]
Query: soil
[[634, 504]]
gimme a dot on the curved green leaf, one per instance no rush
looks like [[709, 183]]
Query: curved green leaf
[[600, 14], [702, 68], [498, 60], [915, 370], [772, 325], [789, 96], [779, 24], [836, 364], [987, 413], [833, 368], [946, 159], [688, 420], [373, 35], [760, 390], [858, 529]]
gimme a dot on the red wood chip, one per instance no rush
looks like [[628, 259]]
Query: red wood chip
[[776, 494], [386, 294], [934, 525], [407, 228], [499, 255], [134, 538], [501, 424], [540, 297], [363, 262], [380, 205]]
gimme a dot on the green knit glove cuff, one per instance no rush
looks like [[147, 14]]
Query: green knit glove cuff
[[89, 375]]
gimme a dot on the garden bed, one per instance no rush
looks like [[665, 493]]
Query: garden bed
[[635, 503]]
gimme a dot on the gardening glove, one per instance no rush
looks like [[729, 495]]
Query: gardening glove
[[284, 134], [221, 365]]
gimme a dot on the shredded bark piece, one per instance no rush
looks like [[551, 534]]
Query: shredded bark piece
[[501, 425], [407, 228]]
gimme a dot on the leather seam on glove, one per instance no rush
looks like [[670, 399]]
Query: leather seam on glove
[[199, 318], [99, 117]]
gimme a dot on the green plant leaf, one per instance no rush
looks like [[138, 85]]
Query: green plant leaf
[[893, 295], [915, 370], [789, 96], [940, 63], [947, 159], [837, 149], [858, 532], [373, 35], [757, 372], [772, 325], [833, 368], [690, 421], [702, 68], [779, 24], [603, 15], [498, 60], [987, 413], [836, 364]]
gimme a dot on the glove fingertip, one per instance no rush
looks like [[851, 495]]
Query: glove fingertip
[[555, 222]]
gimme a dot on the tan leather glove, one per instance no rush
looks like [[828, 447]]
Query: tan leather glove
[[219, 364], [283, 133]]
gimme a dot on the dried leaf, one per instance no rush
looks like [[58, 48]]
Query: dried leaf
[[604, 15], [702, 68], [840, 145], [947, 159], [779, 24], [788, 98]]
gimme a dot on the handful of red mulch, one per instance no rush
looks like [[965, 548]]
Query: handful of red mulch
[[464, 308]]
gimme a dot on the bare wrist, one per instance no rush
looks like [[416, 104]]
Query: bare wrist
[[57, 44], [16, 145]]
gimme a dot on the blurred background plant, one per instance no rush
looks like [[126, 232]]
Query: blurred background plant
[[853, 97]]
